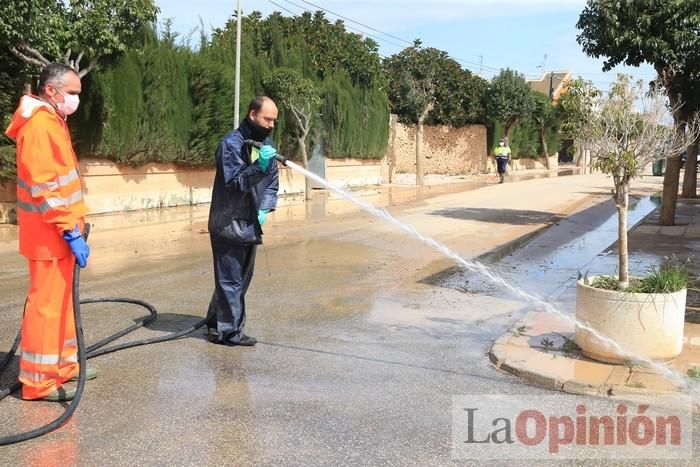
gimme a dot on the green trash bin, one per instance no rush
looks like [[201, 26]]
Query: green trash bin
[[657, 168]]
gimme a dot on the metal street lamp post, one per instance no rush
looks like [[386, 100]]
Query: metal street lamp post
[[237, 92]]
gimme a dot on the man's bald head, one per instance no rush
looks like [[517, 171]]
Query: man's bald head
[[257, 103], [263, 112]]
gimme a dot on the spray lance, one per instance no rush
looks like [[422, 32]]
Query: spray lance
[[280, 158]]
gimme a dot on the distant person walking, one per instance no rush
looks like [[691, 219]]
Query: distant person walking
[[502, 154]]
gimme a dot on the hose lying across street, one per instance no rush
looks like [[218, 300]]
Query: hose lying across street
[[85, 353], [95, 350]]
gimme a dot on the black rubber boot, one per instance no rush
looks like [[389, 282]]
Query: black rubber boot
[[240, 339]]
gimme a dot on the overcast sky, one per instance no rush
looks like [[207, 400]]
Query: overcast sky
[[484, 35]]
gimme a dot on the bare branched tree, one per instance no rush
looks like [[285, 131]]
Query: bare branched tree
[[422, 94], [627, 129], [298, 96]]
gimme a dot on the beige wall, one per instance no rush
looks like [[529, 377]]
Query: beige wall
[[354, 173], [110, 187], [8, 196], [516, 165], [449, 151]]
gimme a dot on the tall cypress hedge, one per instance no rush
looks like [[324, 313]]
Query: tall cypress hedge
[[169, 103], [356, 127], [13, 77], [524, 140]]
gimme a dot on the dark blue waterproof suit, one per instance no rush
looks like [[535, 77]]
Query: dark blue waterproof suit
[[241, 188]]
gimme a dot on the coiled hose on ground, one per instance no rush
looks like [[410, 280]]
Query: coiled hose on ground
[[85, 353]]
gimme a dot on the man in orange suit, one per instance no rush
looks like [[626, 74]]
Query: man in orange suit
[[51, 215]]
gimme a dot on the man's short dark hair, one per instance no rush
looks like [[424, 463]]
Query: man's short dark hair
[[53, 73], [256, 103]]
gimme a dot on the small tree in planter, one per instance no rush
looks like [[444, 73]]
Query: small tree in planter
[[627, 129]]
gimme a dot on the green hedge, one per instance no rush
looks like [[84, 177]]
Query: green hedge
[[169, 103], [13, 77], [524, 140], [8, 165], [356, 122]]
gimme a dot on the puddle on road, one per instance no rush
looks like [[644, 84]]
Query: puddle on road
[[162, 222], [554, 257], [324, 203]]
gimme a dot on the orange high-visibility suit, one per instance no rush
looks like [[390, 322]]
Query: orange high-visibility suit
[[49, 202]]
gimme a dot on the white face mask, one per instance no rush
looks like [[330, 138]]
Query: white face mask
[[502, 144], [69, 105]]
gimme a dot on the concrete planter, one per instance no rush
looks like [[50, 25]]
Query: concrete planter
[[650, 325]]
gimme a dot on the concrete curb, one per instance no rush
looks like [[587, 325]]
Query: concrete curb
[[517, 354], [501, 251]]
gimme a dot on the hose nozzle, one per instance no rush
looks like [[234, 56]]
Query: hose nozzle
[[280, 158]]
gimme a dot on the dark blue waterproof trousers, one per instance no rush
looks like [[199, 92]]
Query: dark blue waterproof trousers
[[233, 272], [502, 163]]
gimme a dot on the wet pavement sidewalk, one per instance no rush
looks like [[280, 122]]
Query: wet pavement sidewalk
[[364, 334], [540, 347], [409, 179]]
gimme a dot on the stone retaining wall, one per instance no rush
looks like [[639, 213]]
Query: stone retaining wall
[[447, 150]]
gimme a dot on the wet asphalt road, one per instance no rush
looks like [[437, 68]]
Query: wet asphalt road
[[363, 340]]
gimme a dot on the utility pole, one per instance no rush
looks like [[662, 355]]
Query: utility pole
[[237, 99], [543, 66], [551, 88], [481, 65]]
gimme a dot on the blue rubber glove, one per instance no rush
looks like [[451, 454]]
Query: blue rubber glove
[[262, 215], [77, 245], [266, 154]]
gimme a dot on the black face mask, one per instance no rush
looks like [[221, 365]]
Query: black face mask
[[258, 133]]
